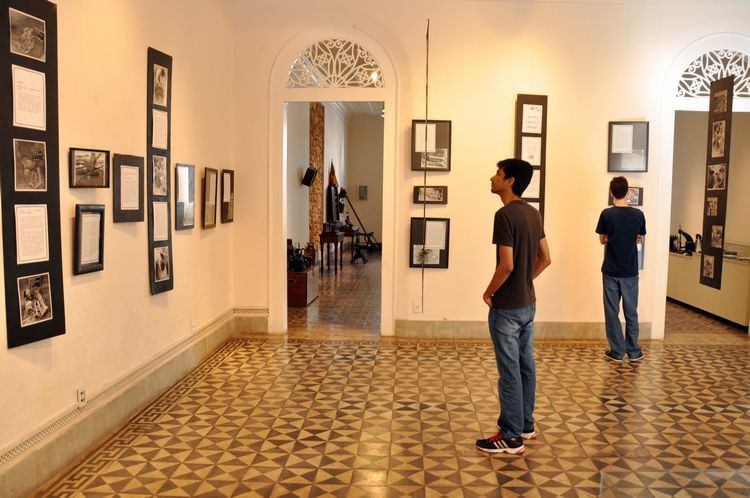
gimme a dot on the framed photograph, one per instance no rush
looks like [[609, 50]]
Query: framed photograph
[[430, 145], [32, 233], [162, 264], [363, 192], [429, 241], [28, 35], [34, 299], [89, 168], [161, 85], [634, 197], [127, 172], [431, 195], [716, 178], [712, 206], [159, 185], [184, 196], [628, 146], [89, 241], [719, 102], [29, 98], [227, 196], [708, 266], [30, 165], [718, 130], [717, 236], [210, 182]]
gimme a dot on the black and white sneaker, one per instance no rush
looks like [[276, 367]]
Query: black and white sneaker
[[611, 356], [528, 435], [636, 357], [499, 444]]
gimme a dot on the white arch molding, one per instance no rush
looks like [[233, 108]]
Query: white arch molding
[[671, 103], [279, 93]]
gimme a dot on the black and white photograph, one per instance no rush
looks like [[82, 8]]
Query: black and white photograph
[[628, 146], [717, 138], [430, 145], [708, 266], [717, 177], [89, 239], [362, 192], [161, 85], [431, 195], [160, 176], [227, 196], [634, 197], [425, 255], [210, 182], [720, 102], [712, 206], [717, 236], [429, 242], [27, 35], [34, 299], [162, 264], [89, 168], [30, 165], [184, 188]]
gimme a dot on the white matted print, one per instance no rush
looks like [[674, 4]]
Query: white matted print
[[708, 266], [717, 177], [34, 299], [718, 130], [717, 236], [712, 206], [28, 35], [161, 85], [162, 264], [30, 165], [29, 98], [719, 103], [160, 175], [32, 238]]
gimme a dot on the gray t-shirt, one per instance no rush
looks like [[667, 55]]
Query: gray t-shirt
[[517, 225]]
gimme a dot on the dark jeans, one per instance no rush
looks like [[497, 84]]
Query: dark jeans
[[512, 332], [627, 289]]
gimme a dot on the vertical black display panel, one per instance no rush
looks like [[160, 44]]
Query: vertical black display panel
[[717, 181], [34, 301], [531, 143], [158, 179]]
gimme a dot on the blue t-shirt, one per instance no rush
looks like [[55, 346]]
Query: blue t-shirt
[[622, 226]]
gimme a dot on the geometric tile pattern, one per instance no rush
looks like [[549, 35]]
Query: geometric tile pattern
[[348, 299], [300, 417], [684, 325]]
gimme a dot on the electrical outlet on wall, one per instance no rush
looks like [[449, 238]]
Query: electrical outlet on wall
[[81, 397], [416, 308]]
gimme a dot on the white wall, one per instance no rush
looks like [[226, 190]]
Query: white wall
[[364, 157], [334, 148], [113, 323], [689, 177], [297, 161], [504, 48]]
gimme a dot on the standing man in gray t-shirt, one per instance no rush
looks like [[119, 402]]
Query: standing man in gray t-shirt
[[521, 255]]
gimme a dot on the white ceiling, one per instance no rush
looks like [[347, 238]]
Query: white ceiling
[[353, 109]]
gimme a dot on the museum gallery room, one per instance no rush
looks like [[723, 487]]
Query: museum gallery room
[[247, 276]]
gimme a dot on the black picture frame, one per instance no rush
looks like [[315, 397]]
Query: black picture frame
[[120, 215], [530, 144], [227, 207], [442, 199], [438, 258], [442, 144], [95, 156], [210, 184], [618, 159], [634, 197], [184, 211], [88, 266]]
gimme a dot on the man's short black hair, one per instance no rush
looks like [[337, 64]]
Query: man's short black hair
[[518, 169], [619, 187]]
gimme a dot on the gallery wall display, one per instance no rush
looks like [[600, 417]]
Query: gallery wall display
[[628, 147], [184, 197], [227, 196], [128, 182], [429, 242], [88, 253], [717, 181], [431, 194], [531, 144], [430, 145], [634, 197], [89, 168], [158, 141], [210, 190], [30, 166]]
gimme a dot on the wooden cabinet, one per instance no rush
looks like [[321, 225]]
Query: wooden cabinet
[[302, 287]]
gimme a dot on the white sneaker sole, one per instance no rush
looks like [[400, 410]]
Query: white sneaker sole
[[528, 435], [512, 451]]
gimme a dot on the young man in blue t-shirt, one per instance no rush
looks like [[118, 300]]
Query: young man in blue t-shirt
[[620, 229]]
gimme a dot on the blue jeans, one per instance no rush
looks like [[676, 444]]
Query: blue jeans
[[512, 332], [627, 289]]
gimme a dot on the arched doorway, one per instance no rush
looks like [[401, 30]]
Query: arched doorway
[[292, 81]]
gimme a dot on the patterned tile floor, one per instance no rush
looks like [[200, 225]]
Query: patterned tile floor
[[388, 417], [349, 299]]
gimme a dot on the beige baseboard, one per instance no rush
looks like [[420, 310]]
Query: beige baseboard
[[39, 457], [553, 331]]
